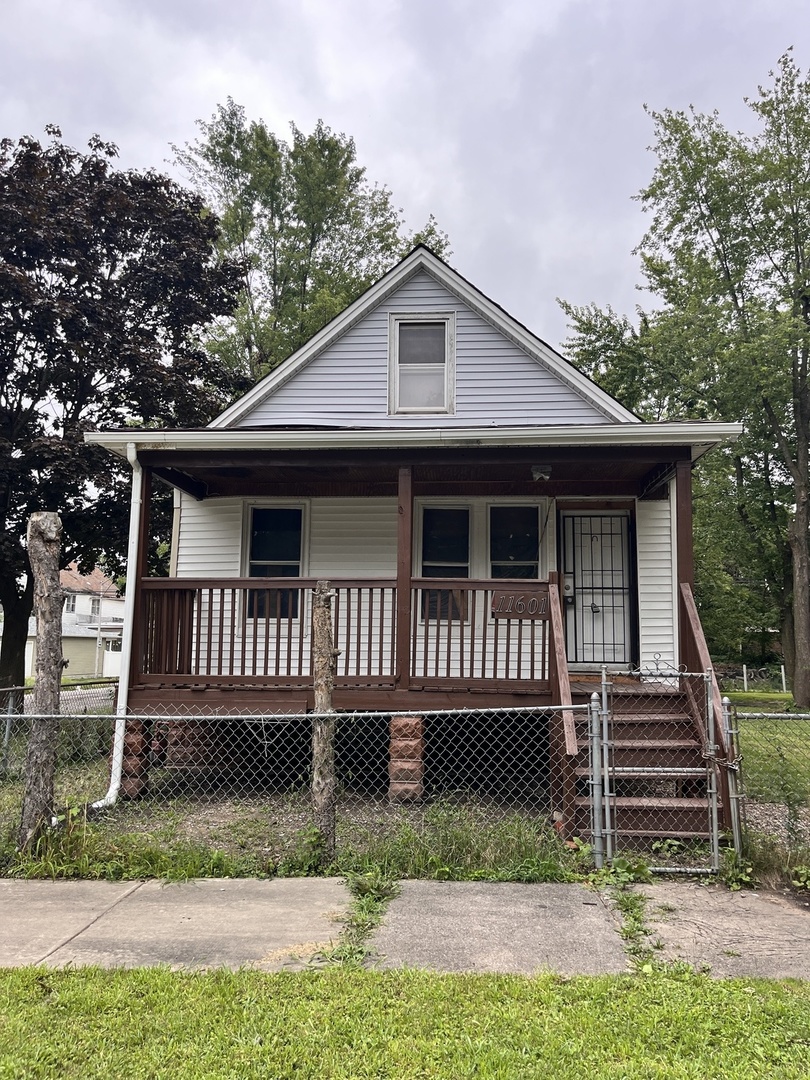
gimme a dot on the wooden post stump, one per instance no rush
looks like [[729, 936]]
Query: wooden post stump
[[323, 787], [406, 771], [44, 547]]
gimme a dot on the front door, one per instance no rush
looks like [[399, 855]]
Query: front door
[[596, 578]]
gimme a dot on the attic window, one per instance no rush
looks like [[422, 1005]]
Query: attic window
[[422, 363]]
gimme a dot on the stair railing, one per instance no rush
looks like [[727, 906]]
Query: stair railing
[[707, 709], [564, 740]]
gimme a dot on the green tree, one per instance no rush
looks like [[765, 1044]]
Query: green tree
[[728, 256], [311, 231], [742, 559], [106, 281]]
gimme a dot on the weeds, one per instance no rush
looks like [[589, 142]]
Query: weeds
[[461, 843], [371, 892]]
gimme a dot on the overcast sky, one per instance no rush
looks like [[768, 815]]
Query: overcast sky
[[518, 123]]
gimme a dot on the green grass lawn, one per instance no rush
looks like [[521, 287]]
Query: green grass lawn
[[776, 760], [354, 1024], [760, 700]]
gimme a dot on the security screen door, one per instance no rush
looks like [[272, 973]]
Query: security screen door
[[596, 588]]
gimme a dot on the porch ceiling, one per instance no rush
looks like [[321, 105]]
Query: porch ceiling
[[606, 472]]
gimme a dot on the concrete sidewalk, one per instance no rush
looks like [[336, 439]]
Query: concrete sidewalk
[[231, 923], [283, 924], [500, 927]]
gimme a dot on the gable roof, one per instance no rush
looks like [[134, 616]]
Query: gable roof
[[423, 259], [96, 582]]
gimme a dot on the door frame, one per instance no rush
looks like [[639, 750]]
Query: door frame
[[625, 509]]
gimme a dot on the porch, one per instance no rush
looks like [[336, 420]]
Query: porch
[[432, 643]]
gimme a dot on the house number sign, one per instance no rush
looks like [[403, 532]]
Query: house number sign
[[520, 604]]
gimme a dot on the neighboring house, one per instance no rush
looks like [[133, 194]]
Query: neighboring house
[[92, 622], [496, 527]]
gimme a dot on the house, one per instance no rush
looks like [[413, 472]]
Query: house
[[495, 526], [92, 622]]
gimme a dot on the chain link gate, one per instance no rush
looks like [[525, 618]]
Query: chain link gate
[[660, 782]]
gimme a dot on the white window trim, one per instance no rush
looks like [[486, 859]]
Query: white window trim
[[478, 506], [395, 319], [277, 504]]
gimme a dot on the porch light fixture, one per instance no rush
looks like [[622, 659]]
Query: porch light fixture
[[541, 472]]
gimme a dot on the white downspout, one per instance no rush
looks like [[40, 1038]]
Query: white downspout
[[136, 509]]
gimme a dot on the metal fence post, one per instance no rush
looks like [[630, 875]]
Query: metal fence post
[[7, 733], [597, 835], [606, 748], [711, 758], [745, 678], [784, 680], [730, 733]]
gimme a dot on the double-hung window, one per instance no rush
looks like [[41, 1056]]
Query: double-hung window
[[422, 363], [275, 552], [445, 554], [480, 540], [514, 542]]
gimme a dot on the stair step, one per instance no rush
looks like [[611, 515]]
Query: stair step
[[666, 814], [649, 772], [650, 802], [655, 744]]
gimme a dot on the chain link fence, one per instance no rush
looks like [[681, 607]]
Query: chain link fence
[[768, 679], [242, 782], [658, 784], [772, 752]]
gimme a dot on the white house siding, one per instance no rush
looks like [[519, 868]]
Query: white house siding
[[209, 538], [655, 582], [496, 381], [353, 538]]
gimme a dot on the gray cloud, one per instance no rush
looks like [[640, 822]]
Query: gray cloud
[[520, 126]]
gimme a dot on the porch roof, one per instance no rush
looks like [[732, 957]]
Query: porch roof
[[585, 460]]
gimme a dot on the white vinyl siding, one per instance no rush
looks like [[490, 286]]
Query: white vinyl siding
[[657, 619], [348, 538], [353, 538], [495, 380], [210, 538]]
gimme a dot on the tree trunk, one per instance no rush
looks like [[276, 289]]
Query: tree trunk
[[323, 724], [44, 542], [16, 612], [799, 536], [786, 641]]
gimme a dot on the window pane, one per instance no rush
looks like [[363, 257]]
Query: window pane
[[514, 570], [421, 343], [276, 535], [446, 538], [422, 387], [514, 536], [275, 569]]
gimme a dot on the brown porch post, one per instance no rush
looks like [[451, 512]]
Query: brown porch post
[[404, 564], [139, 571], [683, 509], [683, 541]]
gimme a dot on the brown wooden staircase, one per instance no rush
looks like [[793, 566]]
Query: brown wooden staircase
[[664, 758], [656, 767]]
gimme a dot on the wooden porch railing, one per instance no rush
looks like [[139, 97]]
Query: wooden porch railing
[[695, 658], [456, 640], [251, 630]]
